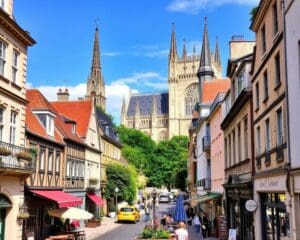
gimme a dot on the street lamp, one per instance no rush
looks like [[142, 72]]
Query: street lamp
[[116, 191], [153, 195]]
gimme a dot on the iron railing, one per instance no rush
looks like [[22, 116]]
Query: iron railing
[[206, 143]]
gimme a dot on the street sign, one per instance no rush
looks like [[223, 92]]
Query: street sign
[[251, 205]]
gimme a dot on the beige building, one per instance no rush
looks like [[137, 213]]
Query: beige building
[[270, 124], [166, 114], [14, 42]]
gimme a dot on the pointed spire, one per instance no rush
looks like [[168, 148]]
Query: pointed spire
[[173, 56], [205, 68], [217, 57], [96, 51], [123, 105], [184, 52]]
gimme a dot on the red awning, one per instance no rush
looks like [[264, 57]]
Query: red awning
[[96, 199], [61, 198]]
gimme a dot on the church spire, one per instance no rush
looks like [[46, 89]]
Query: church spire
[[217, 57], [173, 48], [123, 105], [205, 70], [96, 52], [184, 52]]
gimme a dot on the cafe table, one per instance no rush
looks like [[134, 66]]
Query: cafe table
[[78, 233]]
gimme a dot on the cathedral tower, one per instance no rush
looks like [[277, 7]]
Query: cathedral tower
[[95, 82]]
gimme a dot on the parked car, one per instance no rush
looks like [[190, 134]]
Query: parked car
[[172, 197], [129, 213], [164, 197]]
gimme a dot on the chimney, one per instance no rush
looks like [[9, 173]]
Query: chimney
[[63, 96]]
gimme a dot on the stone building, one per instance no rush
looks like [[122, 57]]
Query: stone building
[[14, 43], [272, 218], [166, 114]]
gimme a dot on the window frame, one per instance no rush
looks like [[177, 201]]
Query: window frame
[[42, 158], [15, 63], [3, 47], [263, 39], [279, 127], [275, 19], [13, 127], [257, 95], [266, 85], [50, 163], [277, 70]]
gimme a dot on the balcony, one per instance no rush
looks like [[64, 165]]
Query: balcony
[[16, 160], [204, 183], [267, 158], [206, 143], [93, 183]]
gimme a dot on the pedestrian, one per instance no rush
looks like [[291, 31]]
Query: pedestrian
[[206, 226], [147, 213], [189, 215], [181, 233], [197, 226]]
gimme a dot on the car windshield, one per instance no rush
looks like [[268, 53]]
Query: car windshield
[[126, 210]]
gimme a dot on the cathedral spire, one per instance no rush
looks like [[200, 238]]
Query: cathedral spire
[[184, 52], [96, 51], [205, 70], [173, 56], [123, 105], [217, 57]]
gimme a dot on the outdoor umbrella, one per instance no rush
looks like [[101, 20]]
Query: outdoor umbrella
[[71, 213], [180, 214]]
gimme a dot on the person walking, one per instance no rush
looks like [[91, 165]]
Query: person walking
[[197, 226], [206, 226], [181, 233]]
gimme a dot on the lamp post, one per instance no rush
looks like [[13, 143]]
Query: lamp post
[[153, 195], [116, 192]]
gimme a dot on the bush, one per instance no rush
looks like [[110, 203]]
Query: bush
[[152, 233]]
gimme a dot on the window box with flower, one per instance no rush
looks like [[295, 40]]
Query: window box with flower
[[4, 151]]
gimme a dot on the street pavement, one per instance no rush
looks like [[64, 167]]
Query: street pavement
[[111, 230]]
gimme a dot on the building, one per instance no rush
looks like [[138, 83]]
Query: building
[[167, 114], [50, 138], [272, 217], [292, 31], [14, 43], [237, 127]]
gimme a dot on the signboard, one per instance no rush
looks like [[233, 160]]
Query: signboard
[[251, 205], [232, 234]]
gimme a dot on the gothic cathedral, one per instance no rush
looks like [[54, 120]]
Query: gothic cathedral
[[163, 115]]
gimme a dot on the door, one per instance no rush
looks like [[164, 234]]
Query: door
[[2, 223]]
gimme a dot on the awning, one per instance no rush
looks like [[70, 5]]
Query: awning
[[61, 198], [200, 199], [4, 202], [96, 199]]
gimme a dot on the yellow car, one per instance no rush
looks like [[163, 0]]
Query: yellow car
[[128, 213]]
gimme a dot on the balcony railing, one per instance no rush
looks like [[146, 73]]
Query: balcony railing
[[16, 158], [206, 143], [205, 183]]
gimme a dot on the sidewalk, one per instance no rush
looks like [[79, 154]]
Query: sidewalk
[[107, 225]]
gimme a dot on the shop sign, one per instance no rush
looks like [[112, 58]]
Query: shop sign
[[251, 205], [270, 184], [232, 234]]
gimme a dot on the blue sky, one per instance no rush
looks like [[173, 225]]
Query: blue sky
[[134, 40]]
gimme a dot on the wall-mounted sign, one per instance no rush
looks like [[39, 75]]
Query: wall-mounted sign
[[251, 205], [232, 234]]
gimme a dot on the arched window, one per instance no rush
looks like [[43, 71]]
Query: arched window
[[191, 98]]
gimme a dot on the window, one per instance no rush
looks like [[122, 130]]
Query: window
[[12, 131], [48, 122], [275, 19], [42, 159], [277, 69], [258, 147], [14, 69], [57, 162], [246, 138], [279, 127], [73, 128], [266, 87], [257, 94], [233, 147], [2, 57], [191, 98], [263, 39], [267, 124], [1, 123], [241, 79], [69, 168], [229, 150], [239, 143], [226, 152], [50, 161]]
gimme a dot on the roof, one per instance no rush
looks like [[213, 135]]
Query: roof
[[211, 88], [106, 126], [144, 102], [36, 101], [79, 111]]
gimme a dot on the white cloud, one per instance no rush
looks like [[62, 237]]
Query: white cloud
[[111, 54], [115, 91], [193, 6]]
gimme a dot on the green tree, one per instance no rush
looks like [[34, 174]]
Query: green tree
[[123, 177]]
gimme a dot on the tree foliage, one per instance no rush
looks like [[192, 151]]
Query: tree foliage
[[123, 177]]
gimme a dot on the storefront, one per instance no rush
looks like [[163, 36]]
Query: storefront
[[272, 218], [237, 192]]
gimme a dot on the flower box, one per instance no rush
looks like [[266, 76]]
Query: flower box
[[23, 156], [4, 151]]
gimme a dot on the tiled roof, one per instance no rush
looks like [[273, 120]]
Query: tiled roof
[[79, 111], [144, 102], [106, 126], [211, 88], [36, 101]]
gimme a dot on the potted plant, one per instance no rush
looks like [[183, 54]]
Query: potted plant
[[23, 156], [93, 181], [154, 233], [4, 151]]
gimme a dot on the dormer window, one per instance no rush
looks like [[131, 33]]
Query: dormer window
[[47, 120], [73, 128]]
